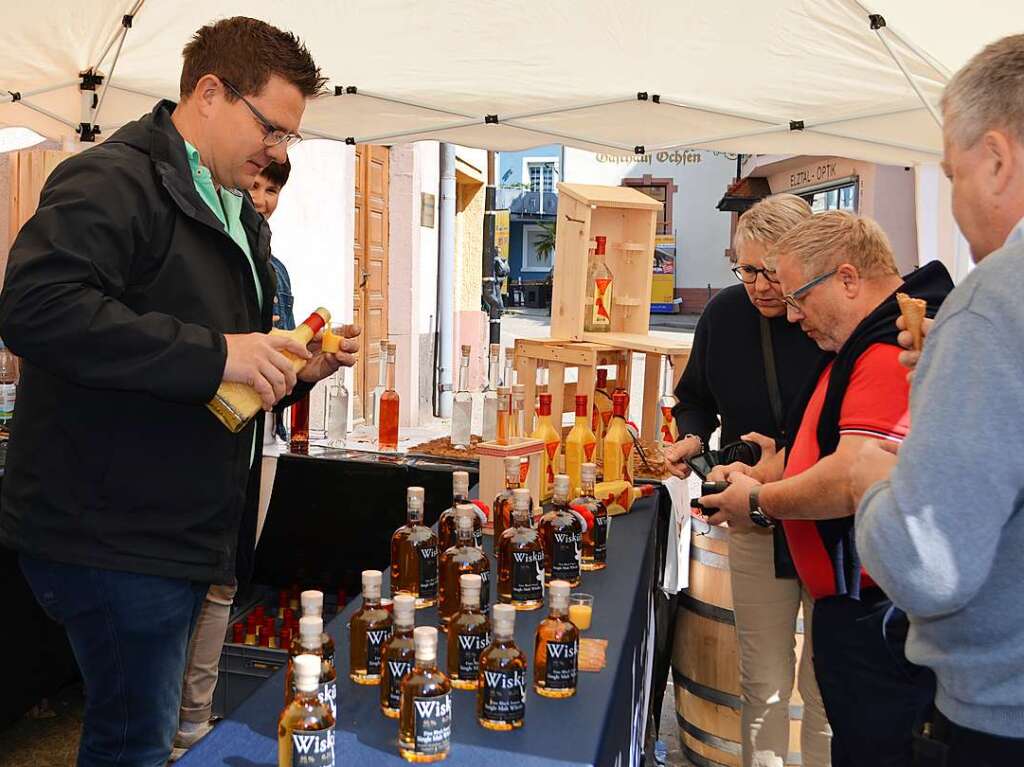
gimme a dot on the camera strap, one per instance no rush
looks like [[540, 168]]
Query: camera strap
[[771, 376]]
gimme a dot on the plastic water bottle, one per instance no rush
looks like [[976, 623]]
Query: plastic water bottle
[[8, 383]]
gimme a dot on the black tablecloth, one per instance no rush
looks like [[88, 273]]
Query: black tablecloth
[[601, 725]]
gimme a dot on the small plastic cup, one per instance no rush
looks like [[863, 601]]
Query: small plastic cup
[[581, 608]]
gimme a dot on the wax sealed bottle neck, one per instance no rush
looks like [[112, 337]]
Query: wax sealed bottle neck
[[619, 405], [602, 378], [544, 408], [581, 407]]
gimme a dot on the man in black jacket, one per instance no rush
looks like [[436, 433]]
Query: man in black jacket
[[141, 283]]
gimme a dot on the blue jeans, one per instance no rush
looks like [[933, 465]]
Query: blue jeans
[[129, 633]]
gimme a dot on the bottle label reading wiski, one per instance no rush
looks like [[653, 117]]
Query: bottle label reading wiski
[[485, 590], [527, 576], [561, 668], [397, 669], [327, 693], [433, 723], [504, 695], [428, 572], [313, 748], [565, 555], [470, 647], [375, 639], [600, 538]]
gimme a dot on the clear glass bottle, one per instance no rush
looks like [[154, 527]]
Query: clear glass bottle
[[465, 557], [552, 439], [425, 725], [469, 633], [597, 316], [501, 510], [8, 384], [504, 415], [397, 656], [462, 405], [490, 424], [521, 558], [310, 642], [446, 531], [668, 433], [382, 381], [337, 409], [556, 647], [618, 443], [595, 539], [313, 605], [387, 425], [561, 533], [369, 629], [510, 371], [414, 554], [517, 423], [501, 700], [580, 443], [305, 729]]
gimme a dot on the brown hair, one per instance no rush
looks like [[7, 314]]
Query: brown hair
[[829, 239], [766, 221], [277, 173], [988, 92], [246, 52]]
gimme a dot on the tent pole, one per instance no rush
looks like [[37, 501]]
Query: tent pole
[[861, 139], [106, 80], [563, 110], [113, 39], [926, 57], [404, 103], [569, 137], [862, 116], [6, 96], [910, 79], [385, 137], [48, 113]]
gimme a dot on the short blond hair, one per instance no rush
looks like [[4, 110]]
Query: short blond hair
[[767, 220], [826, 240], [987, 93]]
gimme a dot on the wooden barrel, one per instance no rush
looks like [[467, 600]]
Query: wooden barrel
[[705, 661]]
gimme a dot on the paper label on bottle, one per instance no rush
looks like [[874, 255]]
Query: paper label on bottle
[[504, 695], [527, 576], [600, 537], [551, 451], [470, 647], [561, 668], [433, 723], [588, 451], [601, 314], [327, 693], [478, 537], [375, 639], [485, 589], [566, 545], [313, 748], [397, 669], [8, 393], [428, 572]]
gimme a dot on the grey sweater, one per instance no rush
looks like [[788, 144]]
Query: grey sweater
[[945, 535]]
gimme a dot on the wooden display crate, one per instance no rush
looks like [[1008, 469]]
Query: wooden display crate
[[628, 218]]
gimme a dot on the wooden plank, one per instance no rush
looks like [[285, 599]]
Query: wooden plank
[[556, 385], [650, 414], [610, 196], [678, 366], [568, 294], [568, 353], [526, 369], [639, 342]]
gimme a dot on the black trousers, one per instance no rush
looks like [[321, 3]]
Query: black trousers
[[954, 746], [874, 697]]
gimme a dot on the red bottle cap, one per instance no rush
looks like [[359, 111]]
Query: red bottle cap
[[282, 598], [619, 401], [238, 633], [260, 612], [289, 617], [268, 625], [544, 408], [250, 623], [265, 639], [285, 638], [601, 241], [581, 405]]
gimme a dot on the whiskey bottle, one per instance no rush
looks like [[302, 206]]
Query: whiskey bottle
[[414, 554], [464, 557], [501, 700], [469, 633], [595, 539], [425, 726], [602, 411], [397, 656], [490, 426], [313, 604], [579, 444], [517, 422], [552, 439], [561, 532], [235, 403], [618, 443], [298, 436], [382, 381], [446, 532], [462, 405], [556, 648], [501, 511], [521, 558], [668, 433], [597, 316], [369, 629], [504, 415], [387, 428], [310, 642], [305, 730]]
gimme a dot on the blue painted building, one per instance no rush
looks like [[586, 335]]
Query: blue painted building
[[527, 188]]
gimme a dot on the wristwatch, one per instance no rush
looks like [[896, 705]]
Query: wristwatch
[[757, 515]]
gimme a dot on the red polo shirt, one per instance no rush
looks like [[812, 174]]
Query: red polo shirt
[[876, 404]]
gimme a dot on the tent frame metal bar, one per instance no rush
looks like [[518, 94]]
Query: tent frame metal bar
[[48, 113], [926, 57], [7, 97], [873, 142], [909, 77], [113, 38], [565, 110], [106, 80], [404, 103]]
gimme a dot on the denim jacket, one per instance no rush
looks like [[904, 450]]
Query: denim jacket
[[284, 301]]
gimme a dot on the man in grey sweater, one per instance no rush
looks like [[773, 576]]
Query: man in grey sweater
[[943, 532]]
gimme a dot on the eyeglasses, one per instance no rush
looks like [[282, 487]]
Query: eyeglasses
[[793, 298], [748, 274], [272, 135]]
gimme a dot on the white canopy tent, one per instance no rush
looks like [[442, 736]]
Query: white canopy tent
[[839, 77]]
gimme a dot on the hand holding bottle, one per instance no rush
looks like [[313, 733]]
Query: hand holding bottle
[[322, 364], [258, 360]]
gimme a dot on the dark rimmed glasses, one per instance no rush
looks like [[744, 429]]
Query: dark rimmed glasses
[[272, 135], [748, 274], [792, 299]]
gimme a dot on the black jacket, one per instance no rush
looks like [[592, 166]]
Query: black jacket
[[725, 376], [118, 293]]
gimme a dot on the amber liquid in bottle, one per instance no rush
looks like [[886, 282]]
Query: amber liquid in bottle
[[556, 648], [425, 725], [469, 633], [595, 540], [298, 439], [521, 559], [447, 535], [369, 629], [501, 700], [305, 728], [414, 554], [504, 415], [387, 429], [463, 558], [398, 656], [313, 604], [310, 642], [562, 536], [501, 511]]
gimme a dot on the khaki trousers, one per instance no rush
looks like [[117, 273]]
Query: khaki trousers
[[204, 654], [766, 613]]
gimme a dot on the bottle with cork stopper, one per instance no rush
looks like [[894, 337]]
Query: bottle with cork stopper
[[311, 629], [306, 726], [469, 633], [501, 700], [446, 532], [595, 540], [369, 629], [521, 558], [425, 723], [398, 656], [465, 557], [561, 532], [414, 552], [556, 647]]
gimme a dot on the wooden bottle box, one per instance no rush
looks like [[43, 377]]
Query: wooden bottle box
[[628, 218]]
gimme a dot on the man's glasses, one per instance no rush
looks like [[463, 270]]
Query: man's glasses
[[793, 299], [748, 274], [272, 135]]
